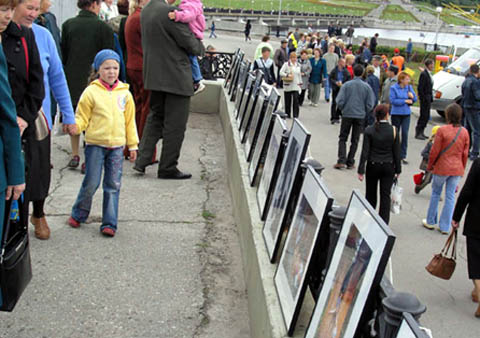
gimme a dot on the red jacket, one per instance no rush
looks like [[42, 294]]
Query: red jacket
[[454, 160], [133, 40]]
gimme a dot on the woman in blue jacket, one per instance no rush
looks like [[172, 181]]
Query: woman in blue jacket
[[402, 96], [319, 72]]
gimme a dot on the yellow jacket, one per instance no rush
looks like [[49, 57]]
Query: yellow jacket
[[108, 116]]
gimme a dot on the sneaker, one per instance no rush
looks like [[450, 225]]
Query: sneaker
[[84, 168], [139, 170], [74, 162], [428, 226], [198, 88], [107, 231], [328, 100], [339, 166], [73, 222]]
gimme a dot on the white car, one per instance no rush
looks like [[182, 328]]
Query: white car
[[447, 83]]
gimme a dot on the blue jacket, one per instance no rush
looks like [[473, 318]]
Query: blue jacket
[[374, 83], [367, 56], [355, 99], [409, 47], [398, 95], [471, 93], [12, 169], [319, 70]]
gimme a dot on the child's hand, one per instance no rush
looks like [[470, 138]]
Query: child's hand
[[133, 155], [172, 15], [72, 129]]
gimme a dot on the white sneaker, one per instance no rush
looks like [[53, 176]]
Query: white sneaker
[[199, 89], [428, 226]]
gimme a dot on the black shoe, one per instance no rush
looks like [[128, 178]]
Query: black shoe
[[404, 161], [421, 137], [176, 175], [139, 170]]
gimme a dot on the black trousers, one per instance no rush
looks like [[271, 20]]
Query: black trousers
[[356, 127], [383, 173], [334, 112], [422, 122], [301, 97], [291, 98], [168, 120], [279, 78]]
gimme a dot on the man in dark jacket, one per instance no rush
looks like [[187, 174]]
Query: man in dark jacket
[[425, 94], [279, 59], [330, 30], [337, 77], [209, 64], [168, 75], [373, 43], [471, 107]]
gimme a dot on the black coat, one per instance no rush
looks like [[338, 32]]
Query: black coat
[[425, 86], [27, 90], [469, 199], [333, 76]]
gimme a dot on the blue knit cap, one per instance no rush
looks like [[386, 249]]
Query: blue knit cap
[[102, 56]]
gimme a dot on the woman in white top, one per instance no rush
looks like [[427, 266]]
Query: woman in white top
[[292, 81], [108, 10]]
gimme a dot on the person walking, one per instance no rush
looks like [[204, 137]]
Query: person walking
[[409, 50], [425, 95], [306, 70], [380, 160], [402, 96], [391, 79], [247, 30], [355, 100], [170, 83], [82, 38], [338, 76], [469, 199], [213, 28], [447, 162], [292, 80], [349, 35], [331, 59], [373, 44], [318, 74], [471, 107], [374, 83], [265, 64], [279, 59]]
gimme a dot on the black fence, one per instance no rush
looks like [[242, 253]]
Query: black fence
[[211, 10], [216, 65]]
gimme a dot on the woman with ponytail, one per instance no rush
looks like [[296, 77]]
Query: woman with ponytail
[[380, 160]]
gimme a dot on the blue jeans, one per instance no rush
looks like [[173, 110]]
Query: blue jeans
[[96, 159], [402, 123], [327, 88], [473, 123], [196, 73], [451, 183]]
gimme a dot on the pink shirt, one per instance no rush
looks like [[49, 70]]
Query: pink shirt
[[192, 13]]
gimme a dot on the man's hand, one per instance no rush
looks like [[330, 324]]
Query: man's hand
[[16, 190], [172, 15], [133, 155], [455, 224], [360, 177], [22, 124]]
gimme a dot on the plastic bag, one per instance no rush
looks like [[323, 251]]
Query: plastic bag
[[396, 197]]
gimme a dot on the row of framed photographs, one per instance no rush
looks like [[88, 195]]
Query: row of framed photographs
[[296, 224]]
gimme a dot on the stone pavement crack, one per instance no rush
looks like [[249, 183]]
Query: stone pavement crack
[[58, 181]]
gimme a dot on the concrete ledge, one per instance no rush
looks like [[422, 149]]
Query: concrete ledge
[[207, 102]]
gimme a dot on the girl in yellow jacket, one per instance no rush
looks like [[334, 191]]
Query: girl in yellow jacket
[[106, 112]]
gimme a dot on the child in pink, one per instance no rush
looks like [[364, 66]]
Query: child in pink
[[192, 13]]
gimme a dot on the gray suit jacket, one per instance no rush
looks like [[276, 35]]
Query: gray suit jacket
[[166, 46]]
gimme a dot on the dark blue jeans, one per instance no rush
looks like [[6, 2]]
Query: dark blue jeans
[[473, 122], [98, 159], [402, 123]]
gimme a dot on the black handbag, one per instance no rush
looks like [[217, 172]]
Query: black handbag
[[15, 263]]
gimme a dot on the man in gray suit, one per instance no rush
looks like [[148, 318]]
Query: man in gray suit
[[167, 74]]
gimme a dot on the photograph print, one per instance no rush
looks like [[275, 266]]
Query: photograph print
[[311, 214], [357, 265], [249, 107], [274, 225]]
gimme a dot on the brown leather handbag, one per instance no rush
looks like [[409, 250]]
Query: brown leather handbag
[[441, 265]]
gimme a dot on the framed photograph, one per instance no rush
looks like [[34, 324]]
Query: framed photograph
[[228, 76], [241, 74], [235, 69], [251, 134], [409, 328], [244, 86], [301, 245], [252, 96], [275, 222], [357, 266], [271, 166]]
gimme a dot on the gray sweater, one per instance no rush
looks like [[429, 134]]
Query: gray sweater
[[385, 98], [332, 60], [356, 99]]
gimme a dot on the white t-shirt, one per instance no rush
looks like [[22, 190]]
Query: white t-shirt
[[108, 12]]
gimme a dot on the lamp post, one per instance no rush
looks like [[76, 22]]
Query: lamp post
[[439, 11], [279, 13]]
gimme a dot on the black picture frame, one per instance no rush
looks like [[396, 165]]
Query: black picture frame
[[409, 328], [275, 221], [244, 68], [230, 70], [301, 246], [252, 131], [250, 103], [357, 266], [235, 70], [271, 165], [244, 86]]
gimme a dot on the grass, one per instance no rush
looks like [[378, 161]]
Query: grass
[[447, 16], [397, 13], [355, 7]]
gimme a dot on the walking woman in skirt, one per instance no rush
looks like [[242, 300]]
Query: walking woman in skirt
[[469, 199]]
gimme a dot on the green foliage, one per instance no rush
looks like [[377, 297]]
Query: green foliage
[[397, 13], [418, 54], [447, 15]]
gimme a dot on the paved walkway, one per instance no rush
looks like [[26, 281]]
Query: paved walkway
[[450, 310], [173, 269]]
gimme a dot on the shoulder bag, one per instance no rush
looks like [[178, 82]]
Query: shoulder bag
[[441, 265], [15, 263], [41, 124], [289, 77]]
